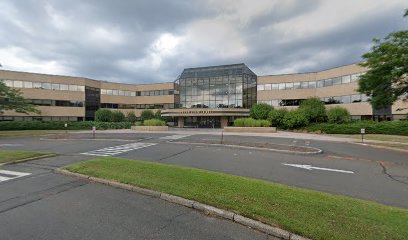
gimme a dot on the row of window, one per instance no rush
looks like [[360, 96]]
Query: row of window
[[310, 84], [138, 106], [43, 85], [65, 119], [116, 92], [327, 100], [58, 103]]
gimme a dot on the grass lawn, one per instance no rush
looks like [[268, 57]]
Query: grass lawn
[[309, 213], [30, 132], [380, 137], [13, 156], [391, 145]]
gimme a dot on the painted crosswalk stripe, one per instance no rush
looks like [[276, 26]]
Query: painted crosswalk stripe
[[174, 137], [110, 151], [8, 175]]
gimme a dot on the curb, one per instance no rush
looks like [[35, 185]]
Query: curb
[[206, 209], [28, 159], [318, 151]]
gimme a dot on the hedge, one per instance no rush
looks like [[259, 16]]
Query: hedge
[[154, 122], [51, 125], [250, 122], [353, 127]]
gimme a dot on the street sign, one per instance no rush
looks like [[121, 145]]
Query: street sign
[[66, 125], [362, 130]]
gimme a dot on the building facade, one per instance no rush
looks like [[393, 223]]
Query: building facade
[[200, 97]]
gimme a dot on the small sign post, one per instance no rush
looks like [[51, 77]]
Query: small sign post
[[66, 125], [93, 131], [362, 131]]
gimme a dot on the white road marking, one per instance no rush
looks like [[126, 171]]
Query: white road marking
[[110, 151], [174, 137], [310, 167], [6, 175]]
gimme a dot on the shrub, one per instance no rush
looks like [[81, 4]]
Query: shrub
[[250, 122], [118, 116], [353, 127], [103, 115], [138, 123], [338, 115], [131, 117], [295, 119], [51, 125], [276, 117], [314, 109], [260, 111], [157, 115], [154, 122], [147, 114]]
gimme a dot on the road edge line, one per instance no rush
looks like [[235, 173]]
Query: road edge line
[[206, 209]]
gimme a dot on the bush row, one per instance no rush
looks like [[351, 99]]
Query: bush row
[[353, 127], [44, 125], [250, 122], [154, 122]]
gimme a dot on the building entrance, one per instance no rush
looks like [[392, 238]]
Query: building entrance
[[202, 122]]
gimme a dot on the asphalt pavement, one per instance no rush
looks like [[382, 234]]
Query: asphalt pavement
[[51, 206]]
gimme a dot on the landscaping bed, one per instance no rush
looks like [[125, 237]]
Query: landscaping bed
[[309, 213], [55, 125]]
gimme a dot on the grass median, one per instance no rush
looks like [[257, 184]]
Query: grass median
[[309, 213], [8, 156]]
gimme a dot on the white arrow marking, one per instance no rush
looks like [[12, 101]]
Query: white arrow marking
[[310, 167]]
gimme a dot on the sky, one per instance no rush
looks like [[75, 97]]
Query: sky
[[151, 41]]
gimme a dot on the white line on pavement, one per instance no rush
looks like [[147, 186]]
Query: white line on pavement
[[110, 151], [11, 175], [310, 167]]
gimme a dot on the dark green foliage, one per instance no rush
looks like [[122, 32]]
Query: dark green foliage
[[158, 115], [295, 119], [386, 79], [313, 109], [353, 127], [260, 111], [118, 116], [131, 117], [103, 115], [338, 115], [40, 125], [250, 122], [11, 99], [147, 114], [276, 117]]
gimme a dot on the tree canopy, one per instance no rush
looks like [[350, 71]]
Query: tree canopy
[[11, 99], [387, 77]]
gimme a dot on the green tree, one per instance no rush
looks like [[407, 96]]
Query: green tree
[[387, 77], [131, 117], [313, 109], [295, 119], [11, 99], [276, 117], [147, 114], [118, 116], [338, 115], [158, 115], [260, 111], [103, 115]]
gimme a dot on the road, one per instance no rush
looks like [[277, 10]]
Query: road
[[75, 209]]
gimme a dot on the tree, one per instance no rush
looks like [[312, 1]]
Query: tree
[[338, 115], [313, 109], [103, 115], [118, 116], [387, 77], [295, 119], [276, 117], [158, 115], [131, 117], [260, 111], [147, 114], [11, 99]]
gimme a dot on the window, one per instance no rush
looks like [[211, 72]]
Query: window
[[28, 84], [356, 98], [268, 86], [336, 81], [282, 86], [37, 85], [345, 99], [275, 86], [320, 83], [18, 84], [312, 84], [133, 94], [345, 79], [304, 85], [355, 77], [55, 86], [328, 82], [81, 88], [63, 87], [73, 88], [109, 92], [46, 85], [364, 98], [296, 85], [115, 92], [103, 91], [289, 85], [8, 83]]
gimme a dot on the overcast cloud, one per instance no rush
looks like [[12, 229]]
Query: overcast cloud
[[147, 41]]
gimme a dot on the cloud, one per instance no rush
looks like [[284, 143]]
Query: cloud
[[153, 41]]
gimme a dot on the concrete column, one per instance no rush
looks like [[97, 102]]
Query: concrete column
[[180, 122], [224, 122]]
